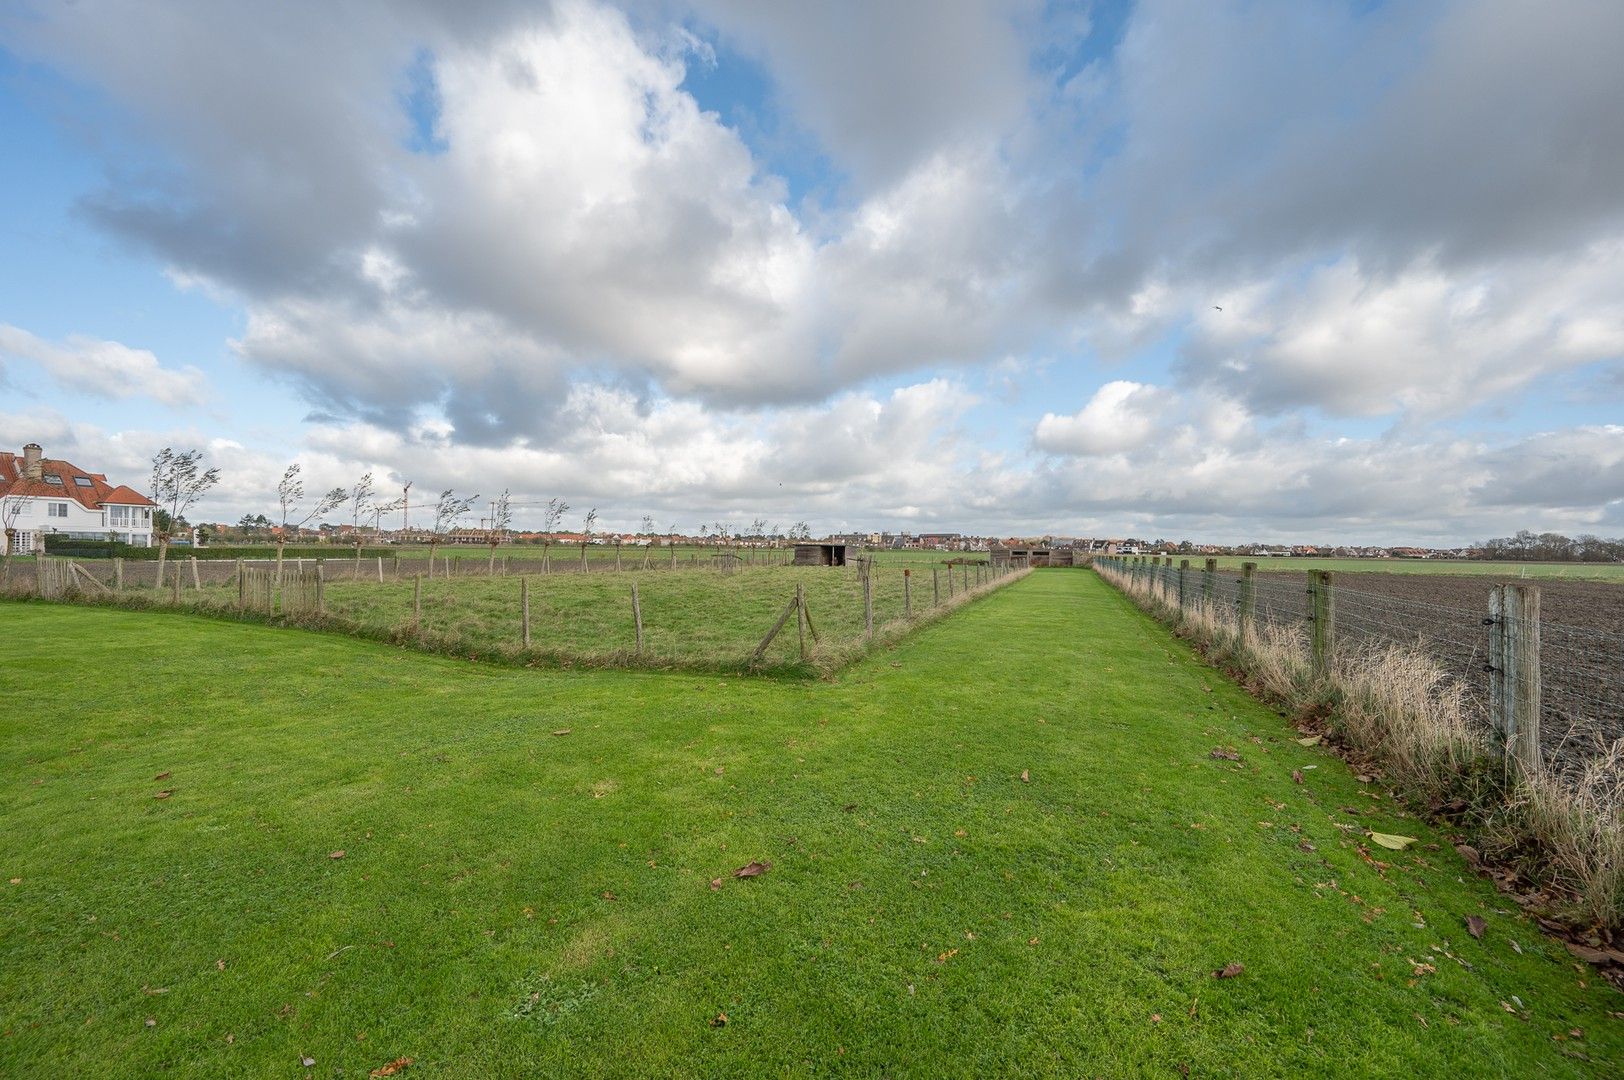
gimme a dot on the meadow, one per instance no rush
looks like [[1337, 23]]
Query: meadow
[[234, 849], [695, 616]]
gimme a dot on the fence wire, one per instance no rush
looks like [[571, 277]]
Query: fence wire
[[1581, 668]]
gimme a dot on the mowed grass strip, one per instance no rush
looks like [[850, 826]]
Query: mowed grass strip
[[512, 901]]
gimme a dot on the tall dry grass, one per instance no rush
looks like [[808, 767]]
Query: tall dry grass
[[1398, 707]]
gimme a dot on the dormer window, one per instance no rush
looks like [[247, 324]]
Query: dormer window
[[53, 479], [82, 481]]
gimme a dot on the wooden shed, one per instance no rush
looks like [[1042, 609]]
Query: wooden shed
[[820, 554], [1034, 556]]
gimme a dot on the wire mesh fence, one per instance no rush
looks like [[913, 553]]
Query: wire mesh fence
[[1579, 669], [740, 613]]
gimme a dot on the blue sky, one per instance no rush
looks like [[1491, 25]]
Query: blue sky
[[900, 266]]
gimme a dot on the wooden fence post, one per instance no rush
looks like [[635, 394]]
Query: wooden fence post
[[792, 608], [524, 609], [321, 589], [935, 587], [868, 605], [118, 571], [1184, 583], [907, 601], [1208, 577], [417, 603], [1514, 673], [637, 611], [1246, 611], [174, 585], [1322, 632], [242, 592], [380, 569], [800, 617], [196, 584]]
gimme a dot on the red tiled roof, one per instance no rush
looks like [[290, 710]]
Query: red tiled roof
[[94, 496]]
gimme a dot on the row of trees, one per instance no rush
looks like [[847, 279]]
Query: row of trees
[[179, 481], [1528, 546]]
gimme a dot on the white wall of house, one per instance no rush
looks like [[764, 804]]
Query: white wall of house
[[37, 515]]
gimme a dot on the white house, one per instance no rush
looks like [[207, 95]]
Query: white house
[[39, 495]]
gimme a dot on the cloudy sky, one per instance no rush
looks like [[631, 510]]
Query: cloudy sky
[[1330, 271]]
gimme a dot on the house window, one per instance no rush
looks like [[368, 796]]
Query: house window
[[82, 481], [56, 510], [120, 515]]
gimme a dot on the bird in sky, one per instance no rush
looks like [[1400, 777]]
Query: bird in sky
[[1215, 307]]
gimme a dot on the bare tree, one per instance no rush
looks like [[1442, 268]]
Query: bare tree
[[361, 498], [178, 482], [447, 512], [551, 516], [587, 525], [10, 511], [650, 538], [290, 493], [501, 518]]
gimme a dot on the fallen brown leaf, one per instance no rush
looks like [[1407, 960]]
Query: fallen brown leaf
[[1026, 777], [942, 958], [1224, 753], [164, 794], [720, 1020], [392, 1068], [1229, 971], [716, 883], [1296, 776], [1586, 953], [562, 731], [752, 869], [339, 854], [607, 895], [1475, 925], [162, 776]]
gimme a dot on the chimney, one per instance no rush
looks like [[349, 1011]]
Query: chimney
[[33, 462]]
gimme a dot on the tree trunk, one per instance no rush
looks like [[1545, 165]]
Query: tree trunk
[[280, 544], [491, 570], [583, 556], [163, 553]]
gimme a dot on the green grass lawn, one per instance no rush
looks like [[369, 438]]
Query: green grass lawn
[[999, 848], [1576, 571], [689, 617]]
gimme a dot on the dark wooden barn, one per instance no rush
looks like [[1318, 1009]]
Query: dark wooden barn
[[820, 554]]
